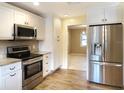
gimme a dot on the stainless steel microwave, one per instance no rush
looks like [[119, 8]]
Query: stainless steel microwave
[[23, 32]]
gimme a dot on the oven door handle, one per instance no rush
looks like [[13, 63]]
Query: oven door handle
[[30, 62]]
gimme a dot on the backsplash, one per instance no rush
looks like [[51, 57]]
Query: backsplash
[[33, 45]]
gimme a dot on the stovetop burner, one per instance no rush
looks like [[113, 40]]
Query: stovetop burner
[[21, 52]]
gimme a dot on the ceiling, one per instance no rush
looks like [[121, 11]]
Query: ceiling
[[61, 8]]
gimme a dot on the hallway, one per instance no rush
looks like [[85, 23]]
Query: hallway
[[70, 80], [77, 62]]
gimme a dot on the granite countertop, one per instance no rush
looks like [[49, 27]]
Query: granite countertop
[[7, 61], [42, 52]]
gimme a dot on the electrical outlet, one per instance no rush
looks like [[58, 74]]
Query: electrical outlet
[[33, 47]]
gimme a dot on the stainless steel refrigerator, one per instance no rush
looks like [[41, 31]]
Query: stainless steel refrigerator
[[106, 54]]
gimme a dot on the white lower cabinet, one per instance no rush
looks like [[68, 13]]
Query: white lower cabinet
[[11, 77], [13, 81], [46, 65]]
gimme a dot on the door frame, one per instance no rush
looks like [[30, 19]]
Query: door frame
[[68, 45]]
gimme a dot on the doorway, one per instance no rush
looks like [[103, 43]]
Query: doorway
[[77, 47]]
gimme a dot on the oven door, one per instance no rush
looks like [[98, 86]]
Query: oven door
[[31, 71]]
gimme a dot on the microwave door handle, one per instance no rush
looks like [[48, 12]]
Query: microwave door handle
[[95, 49], [35, 32]]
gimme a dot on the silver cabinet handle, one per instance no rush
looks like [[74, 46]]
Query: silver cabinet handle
[[13, 75], [12, 68], [105, 19], [25, 23], [46, 70]]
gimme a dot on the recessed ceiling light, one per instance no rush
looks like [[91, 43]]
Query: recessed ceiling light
[[65, 15], [36, 3]]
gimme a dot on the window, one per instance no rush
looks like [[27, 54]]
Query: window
[[83, 38]]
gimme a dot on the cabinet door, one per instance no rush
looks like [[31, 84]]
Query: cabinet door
[[13, 81], [57, 43], [46, 63], [39, 23], [20, 18], [113, 14], [95, 16], [40, 28], [6, 24], [2, 83]]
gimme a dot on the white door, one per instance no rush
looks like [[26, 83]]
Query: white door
[[6, 23], [113, 14], [95, 16], [20, 18], [13, 81]]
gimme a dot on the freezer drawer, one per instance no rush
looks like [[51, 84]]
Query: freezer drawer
[[113, 74], [106, 73]]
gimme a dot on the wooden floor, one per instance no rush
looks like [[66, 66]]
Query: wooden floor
[[70, 80]]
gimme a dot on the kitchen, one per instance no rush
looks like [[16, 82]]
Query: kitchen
[[39, 42]]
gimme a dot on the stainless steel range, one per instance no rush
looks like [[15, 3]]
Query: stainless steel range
[[31, 63]]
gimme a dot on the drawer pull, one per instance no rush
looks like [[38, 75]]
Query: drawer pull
[[12, 68], [46, 63], [46, 70], [13, 75]]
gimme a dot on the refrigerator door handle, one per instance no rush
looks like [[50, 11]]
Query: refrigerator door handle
[[109, 64], [113, 64]]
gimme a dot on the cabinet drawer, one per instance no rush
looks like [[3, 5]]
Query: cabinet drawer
[[45, 66], [45, 72], [45, 62], [45, 57], [10, 68]]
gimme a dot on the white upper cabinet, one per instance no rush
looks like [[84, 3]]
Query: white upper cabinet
[[11, 15], [20, 18], [6, 23], [40, 28], [39, 23], [27, 18], [111, 14], [95, 16]]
